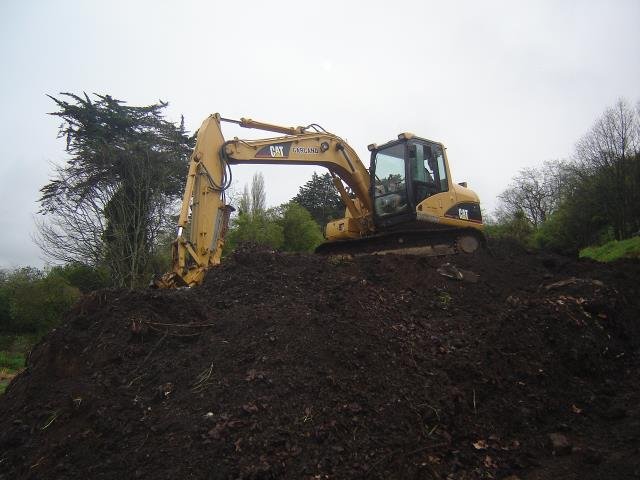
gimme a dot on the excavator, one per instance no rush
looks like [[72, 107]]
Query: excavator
[[406, 201]]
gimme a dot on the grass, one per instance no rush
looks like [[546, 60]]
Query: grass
[[613, 250], [12, 354], [11, 361], [10, 366]]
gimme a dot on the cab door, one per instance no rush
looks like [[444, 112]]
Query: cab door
[[429, 187], [391, 198]]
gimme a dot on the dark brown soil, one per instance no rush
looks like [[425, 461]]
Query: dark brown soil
[[310, 367]]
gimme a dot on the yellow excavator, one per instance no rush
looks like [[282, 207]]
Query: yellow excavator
[[405, 202]]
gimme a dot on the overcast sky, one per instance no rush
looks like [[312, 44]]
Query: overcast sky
[[503, 84]]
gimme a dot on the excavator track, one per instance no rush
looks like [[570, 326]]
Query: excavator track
[[412, 242]]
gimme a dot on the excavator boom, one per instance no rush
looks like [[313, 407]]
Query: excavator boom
[[204, 211]]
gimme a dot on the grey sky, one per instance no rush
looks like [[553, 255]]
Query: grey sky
[[504, 85]]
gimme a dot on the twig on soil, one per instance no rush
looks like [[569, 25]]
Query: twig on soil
[[428, 447], [186, 325], [155, 347], [38, 462], [412, 452], [166, 332], [143, 442], [507, 354], [474, 402], [202, 379], [434, 409], [136, 378], [51, 420]]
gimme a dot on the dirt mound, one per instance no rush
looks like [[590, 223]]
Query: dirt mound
[[301, 366]]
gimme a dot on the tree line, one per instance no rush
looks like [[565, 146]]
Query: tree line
[[112, 205], [32, 301], [588, 199], [108, 214]]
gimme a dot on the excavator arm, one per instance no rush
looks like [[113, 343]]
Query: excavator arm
[[205, 213]]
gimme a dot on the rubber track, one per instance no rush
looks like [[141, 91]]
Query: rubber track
[[443, 242]]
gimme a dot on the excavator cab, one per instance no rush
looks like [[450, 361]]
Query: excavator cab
[[404, 173]]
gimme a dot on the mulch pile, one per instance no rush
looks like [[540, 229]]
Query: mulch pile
[[310, 367]]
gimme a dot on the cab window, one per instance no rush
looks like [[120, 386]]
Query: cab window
[[390, 195], [428, 172]]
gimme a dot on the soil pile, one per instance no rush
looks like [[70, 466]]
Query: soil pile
[[310, 367]]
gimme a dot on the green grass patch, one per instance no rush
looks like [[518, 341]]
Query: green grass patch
[[11, 361], [3, 385], [13, 350], [17, 343], [10, 366], [613, 250]]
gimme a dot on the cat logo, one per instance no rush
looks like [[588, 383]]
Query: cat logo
[[280, 150], [277, 151], [463, 214]]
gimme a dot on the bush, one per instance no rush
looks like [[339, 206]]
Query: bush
[[516, 227], [83, 277], [289, 227], [572, 227], [301, 232], [34, 302], [258, 228]]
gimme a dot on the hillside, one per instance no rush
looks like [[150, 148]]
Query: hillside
[[302, 366]]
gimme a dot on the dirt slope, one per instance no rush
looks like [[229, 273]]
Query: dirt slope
[[301, 366]]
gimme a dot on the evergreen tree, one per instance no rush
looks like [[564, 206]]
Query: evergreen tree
[[110, 201], [321, 199]]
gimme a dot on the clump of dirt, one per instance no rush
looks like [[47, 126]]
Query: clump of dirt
[[310, 367]]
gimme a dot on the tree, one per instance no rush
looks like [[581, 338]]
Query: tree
[[260, 228], [254, 224], [110, 201], [611, 152], [258, 194], [591, 199], [244, 205], [301, 232], [251, 199], [321, 199], [533, 192], [5, 302]]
